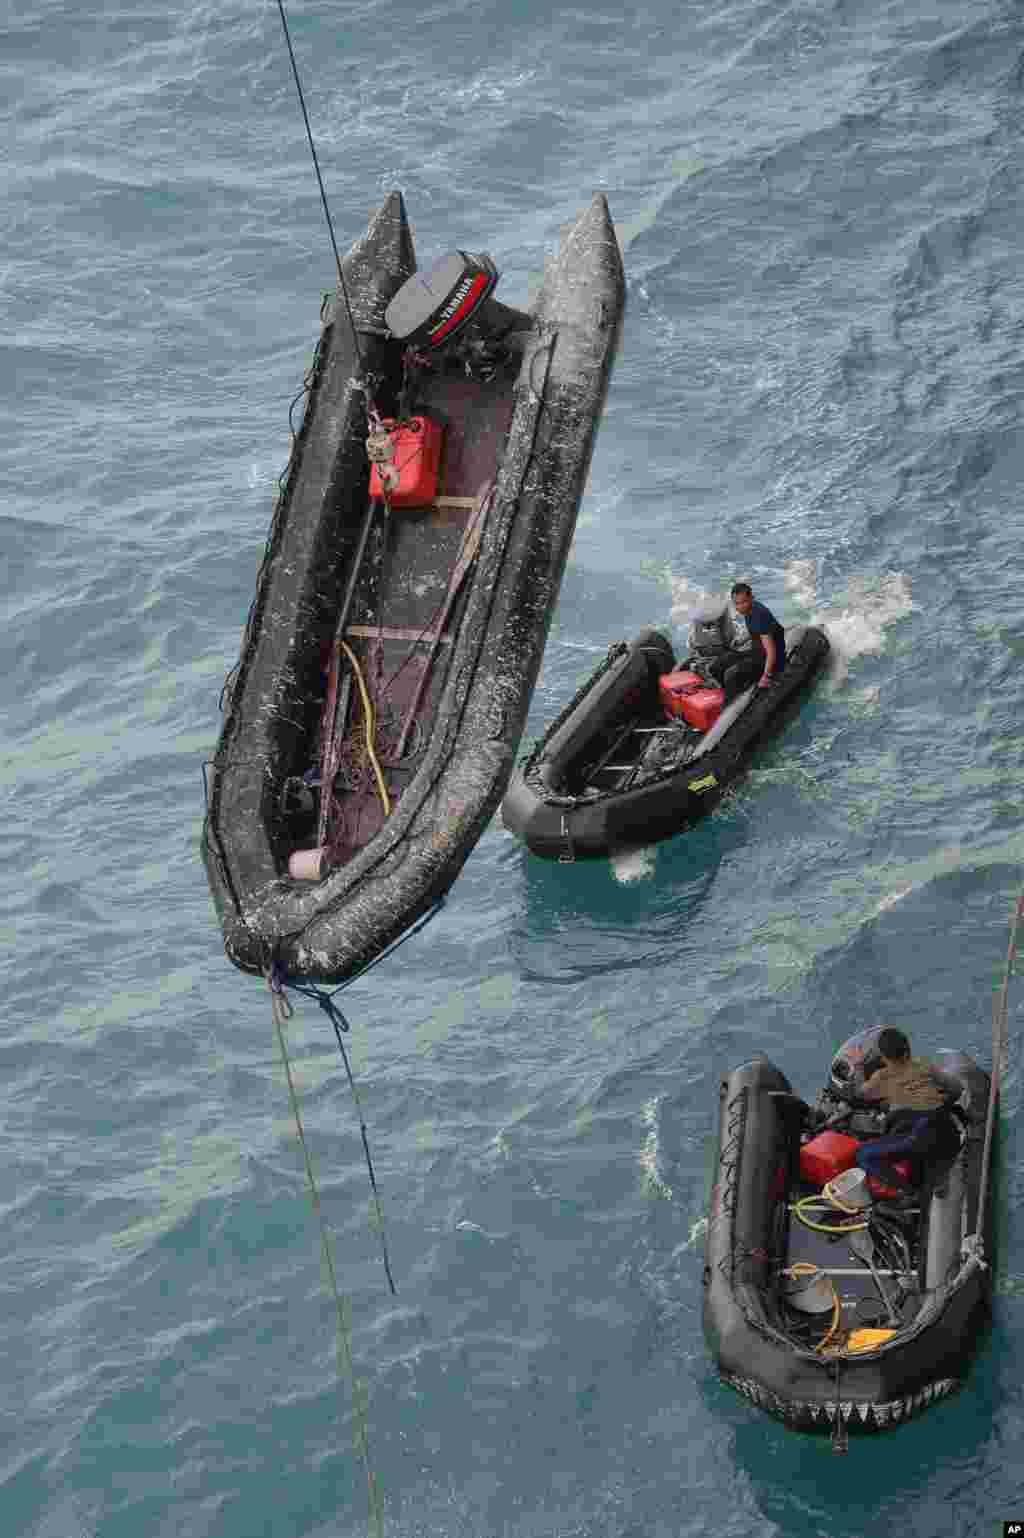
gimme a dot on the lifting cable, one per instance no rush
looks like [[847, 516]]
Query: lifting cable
[[282, 1012], [320, 181], [999, 1050]]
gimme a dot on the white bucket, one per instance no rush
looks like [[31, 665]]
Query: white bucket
[[850, 1188], [810, 1293]]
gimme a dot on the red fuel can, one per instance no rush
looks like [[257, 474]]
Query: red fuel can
[[688, 698], [826, 1156], [674, 688], [703, 708], [416, 456]]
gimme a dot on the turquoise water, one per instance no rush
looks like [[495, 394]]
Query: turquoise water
[[819, 389]]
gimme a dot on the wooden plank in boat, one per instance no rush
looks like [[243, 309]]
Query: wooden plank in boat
[[398, 633], [452, 510], [442, 509]]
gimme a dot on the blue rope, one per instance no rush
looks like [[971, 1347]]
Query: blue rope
[[279, 980], [282, 980], [282, 1009]]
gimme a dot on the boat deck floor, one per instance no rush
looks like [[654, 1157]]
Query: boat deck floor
[[396, 631], [832, 1254]]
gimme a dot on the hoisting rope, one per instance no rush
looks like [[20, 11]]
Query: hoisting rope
[[282, 1012], [320, 181], [999, 1045]]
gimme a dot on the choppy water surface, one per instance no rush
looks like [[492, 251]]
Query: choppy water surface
[[819, 388]]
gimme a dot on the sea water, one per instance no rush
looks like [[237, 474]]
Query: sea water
[[819, 390]]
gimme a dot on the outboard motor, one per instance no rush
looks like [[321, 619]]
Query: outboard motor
[[855, 1062], [711, 628], [849, 1070], [453, 298]]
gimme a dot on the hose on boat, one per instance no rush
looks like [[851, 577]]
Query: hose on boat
[[828, 1228], [368, 726]]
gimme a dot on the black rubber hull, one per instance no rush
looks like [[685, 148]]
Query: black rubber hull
[[329, 930], [560, 827], [874, 1392]]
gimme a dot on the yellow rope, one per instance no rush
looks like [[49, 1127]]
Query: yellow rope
[[346, 1363], [828, 1228], [368, 727]]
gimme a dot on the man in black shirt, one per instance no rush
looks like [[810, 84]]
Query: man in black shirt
[[767, 655]]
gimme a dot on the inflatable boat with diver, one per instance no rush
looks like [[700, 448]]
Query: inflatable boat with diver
[[402, 607], [833, 1299], [648, 745]]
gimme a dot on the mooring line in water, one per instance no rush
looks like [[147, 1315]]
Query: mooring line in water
[[320, 182], [282, 1011], [340, 1024]]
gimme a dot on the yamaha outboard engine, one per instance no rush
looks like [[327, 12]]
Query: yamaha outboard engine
[[712, 639], [849, 1070], [453, 299], [855, 1062], [711, 628]]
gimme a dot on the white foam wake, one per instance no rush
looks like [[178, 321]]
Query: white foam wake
[[856, 622], [856, 625], [629, 865]]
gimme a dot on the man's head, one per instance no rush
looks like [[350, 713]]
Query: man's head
[[893, 1045], [742, 597]]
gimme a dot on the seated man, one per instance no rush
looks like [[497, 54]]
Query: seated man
[[766, 657], [922, 1124]]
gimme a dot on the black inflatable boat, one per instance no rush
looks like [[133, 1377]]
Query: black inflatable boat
[[646, 747], [401, 611], [829, 1305]]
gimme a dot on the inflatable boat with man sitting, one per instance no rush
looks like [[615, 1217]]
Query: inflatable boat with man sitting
[[648, 745], [835, 1299]]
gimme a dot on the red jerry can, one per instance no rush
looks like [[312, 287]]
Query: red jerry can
[[416, 456]]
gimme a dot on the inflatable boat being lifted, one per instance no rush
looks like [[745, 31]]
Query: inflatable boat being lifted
[[413, 562], [645, 748], [831, 1301]]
